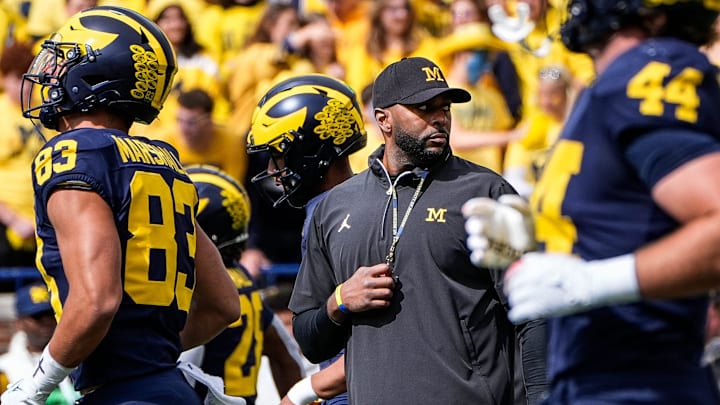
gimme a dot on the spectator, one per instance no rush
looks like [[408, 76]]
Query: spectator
[[350, 22], [19, 142], [542, 47], [224, 26], [320, 48], [434, 16], [394, 34], [34, 325], [13, 23], [199, 140], [46, 16], [265, 54], [525, 157], [474, 54]]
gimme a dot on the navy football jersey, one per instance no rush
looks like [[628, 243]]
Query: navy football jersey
[[154, 203], [594, 200], [236, 353]]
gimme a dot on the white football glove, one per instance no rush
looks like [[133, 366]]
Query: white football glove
[[35, 389], [499, 231], [23, 391], [542, 285]]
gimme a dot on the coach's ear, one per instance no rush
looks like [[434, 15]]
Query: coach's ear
[[383, 120]]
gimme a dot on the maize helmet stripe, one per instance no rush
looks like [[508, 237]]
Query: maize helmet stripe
[[151, 33]]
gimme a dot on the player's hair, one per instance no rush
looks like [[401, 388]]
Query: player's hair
[[591, 23], [689, 21]]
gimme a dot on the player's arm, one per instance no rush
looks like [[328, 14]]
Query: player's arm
[[330, 381], [326, 383], [687, 261], [91, 254], [90, 249], [215, 302], [284, 355]]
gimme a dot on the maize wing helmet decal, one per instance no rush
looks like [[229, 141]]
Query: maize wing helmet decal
[[103, 56], [308, 121], [271, 130]]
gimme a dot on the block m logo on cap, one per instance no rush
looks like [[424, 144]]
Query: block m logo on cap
[[433, 74]]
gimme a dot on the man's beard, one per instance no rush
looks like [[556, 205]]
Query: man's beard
[[415, 150]]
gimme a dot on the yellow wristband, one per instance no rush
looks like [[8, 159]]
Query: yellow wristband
[[338, 300]]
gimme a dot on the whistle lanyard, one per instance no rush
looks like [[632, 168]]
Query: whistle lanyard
[[397, 231]]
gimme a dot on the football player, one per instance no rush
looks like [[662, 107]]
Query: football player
[[132, 277], [309, 125], [627, 212], [235, 354]]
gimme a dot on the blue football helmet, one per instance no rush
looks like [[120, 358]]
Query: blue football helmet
[[307, 122], [589, 23], [224, 208], [103, 56]]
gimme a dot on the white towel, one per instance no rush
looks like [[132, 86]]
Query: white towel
[[216, 389]]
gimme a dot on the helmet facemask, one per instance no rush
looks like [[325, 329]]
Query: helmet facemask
[[291, 169], [46, 92]]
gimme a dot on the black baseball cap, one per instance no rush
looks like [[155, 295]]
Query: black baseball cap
[[413, 81]]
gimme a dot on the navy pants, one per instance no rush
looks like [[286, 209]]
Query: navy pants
[[167, 387], [696, 387]]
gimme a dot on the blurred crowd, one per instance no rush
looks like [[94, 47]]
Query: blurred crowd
[[506, 53]]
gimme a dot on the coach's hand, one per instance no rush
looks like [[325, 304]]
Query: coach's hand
[[499, 231], [369, 288]]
